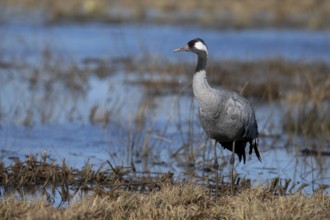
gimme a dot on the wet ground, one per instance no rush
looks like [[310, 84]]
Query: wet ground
[[112, 118]]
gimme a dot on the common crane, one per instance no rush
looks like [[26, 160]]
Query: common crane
[[226, 117]]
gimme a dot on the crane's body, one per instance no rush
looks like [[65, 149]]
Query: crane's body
[[226, 117]]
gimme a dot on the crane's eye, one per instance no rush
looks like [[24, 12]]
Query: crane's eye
[[192, 43]]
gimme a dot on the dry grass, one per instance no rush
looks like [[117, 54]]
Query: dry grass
[[250, 13], [118, 193], [178, 201], [308, 112]]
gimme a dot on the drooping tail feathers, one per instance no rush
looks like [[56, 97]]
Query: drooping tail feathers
[[240, 148], [254, 144]]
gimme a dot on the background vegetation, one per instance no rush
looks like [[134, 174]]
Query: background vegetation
[[311, 14]]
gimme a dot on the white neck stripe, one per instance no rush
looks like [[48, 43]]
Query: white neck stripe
[[201, 46]]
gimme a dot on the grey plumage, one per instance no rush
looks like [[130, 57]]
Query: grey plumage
[[225, 116]]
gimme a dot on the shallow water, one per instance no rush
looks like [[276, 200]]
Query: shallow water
[[116, 40], [169, 123]]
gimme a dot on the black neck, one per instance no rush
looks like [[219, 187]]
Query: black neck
[[201, 63]]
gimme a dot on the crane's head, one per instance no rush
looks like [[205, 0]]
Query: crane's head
[[196, 46]]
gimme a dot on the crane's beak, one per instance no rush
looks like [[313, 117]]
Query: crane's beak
[[184, 48]]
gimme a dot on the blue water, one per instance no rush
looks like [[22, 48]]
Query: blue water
[[117, 40], [167, 120]]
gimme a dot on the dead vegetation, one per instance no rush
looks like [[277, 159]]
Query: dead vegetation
[[308, 110], [223, 14], [174, 202], [38, 174], [121, 193]]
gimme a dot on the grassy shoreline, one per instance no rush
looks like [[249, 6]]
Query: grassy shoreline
[[27, 192], [177, 201]]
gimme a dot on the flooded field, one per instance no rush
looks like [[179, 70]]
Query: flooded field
[[97, 92]]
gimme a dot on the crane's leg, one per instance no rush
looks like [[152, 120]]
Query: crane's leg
[[216, 167], [232, 162]]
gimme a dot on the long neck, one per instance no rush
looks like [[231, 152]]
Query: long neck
[[201, 88], [201, 63]]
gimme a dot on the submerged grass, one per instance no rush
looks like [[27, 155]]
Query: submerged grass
[[308, 110], [265, 80], [302, 87], [119, 193]]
